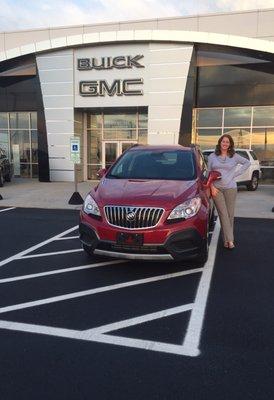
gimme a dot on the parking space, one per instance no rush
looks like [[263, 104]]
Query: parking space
[[81, 297], [111, 324]]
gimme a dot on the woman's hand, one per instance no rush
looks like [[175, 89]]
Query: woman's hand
[[214, 191]]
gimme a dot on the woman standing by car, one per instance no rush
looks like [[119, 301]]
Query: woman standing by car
[[225, 161]]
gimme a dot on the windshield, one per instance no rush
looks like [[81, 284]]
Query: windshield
[[151, 164]]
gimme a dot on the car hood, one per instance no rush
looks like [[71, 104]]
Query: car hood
[[137, 192]]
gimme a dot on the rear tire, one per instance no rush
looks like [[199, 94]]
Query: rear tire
[[87, 250], [253, 184]]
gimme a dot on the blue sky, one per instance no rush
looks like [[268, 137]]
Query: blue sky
[[19, 14]]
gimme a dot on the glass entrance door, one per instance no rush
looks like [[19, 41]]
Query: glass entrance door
[[110, 153], [112, 150]]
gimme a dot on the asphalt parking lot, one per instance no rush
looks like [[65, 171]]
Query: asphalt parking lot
[[72, 327]]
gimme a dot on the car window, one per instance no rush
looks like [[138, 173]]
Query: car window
[[151, 164], [206, 154], [253, 155], [203, 163], [242, 154]]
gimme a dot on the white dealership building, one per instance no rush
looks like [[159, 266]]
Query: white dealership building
[[160, 81]]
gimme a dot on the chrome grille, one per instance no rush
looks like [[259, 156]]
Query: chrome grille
[[142, 217]]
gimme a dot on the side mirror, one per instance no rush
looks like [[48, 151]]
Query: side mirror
[[213, 176], [101, 172]]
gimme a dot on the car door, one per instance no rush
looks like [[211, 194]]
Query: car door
[[246, 175]]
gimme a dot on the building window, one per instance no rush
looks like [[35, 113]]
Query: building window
[[250, 127], [18, 137], [263, 145], [109, 134]]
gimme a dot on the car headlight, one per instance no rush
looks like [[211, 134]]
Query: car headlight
[[90, 206], [186, 210]]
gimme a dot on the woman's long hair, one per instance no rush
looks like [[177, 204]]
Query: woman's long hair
[[230, 150]]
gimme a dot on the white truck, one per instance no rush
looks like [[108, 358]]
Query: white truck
[[250, 178]]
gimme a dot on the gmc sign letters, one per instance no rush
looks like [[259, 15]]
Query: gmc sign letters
[[119, 87]]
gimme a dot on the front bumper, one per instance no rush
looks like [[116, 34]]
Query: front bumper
[[182, 244]]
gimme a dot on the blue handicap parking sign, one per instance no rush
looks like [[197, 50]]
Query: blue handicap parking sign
[[75, 147]]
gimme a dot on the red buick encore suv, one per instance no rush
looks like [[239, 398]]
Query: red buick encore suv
[[153, 203]]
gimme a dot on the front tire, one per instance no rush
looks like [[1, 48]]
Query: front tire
[[87, 250], [253, 184], [203, 256]]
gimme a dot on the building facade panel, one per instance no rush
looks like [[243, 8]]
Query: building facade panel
[[242, 24], [53, 62], [171, 70], [58, 114], [64, 88], [101, 27], [180, 24], [166, 84], [2, 42], [61, 32], [265, 24], [59, 111], [61, 164], [169, 54], [165, 111], [62, 175], [61, 126], [58, 100], [58, 75], [21, 38], [138, 25], [58, 139]]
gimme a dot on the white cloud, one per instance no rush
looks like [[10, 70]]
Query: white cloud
[[16, 14]]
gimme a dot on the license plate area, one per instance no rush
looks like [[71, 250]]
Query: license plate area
[[130, 239]]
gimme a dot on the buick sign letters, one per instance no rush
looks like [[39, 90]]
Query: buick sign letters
[[119, 87]]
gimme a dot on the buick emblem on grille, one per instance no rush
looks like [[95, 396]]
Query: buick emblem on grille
[[131, 216]]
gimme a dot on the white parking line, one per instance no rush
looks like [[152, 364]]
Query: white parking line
[[137, 320], [99, 334], [35, 247], [7, 209], [89, 292], [194, 330], [99, 338], [60, 271], [68, 237], [54, 253]]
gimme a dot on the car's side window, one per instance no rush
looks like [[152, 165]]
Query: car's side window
[[202, 164], [253, 155]]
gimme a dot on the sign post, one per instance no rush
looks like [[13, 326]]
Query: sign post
[[76, 198]]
